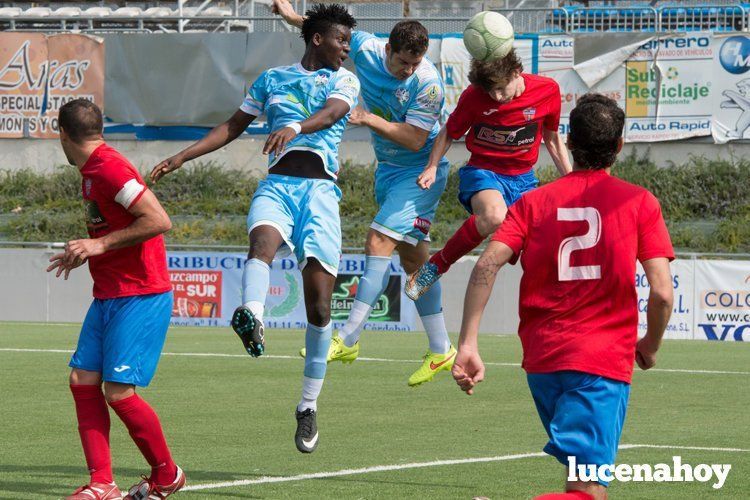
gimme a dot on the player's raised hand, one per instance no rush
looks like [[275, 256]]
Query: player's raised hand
[[468, 370], [277, 141], [166, 166], [427, 178], [78, 251], [58, 262], [645, 353], [358, 116]]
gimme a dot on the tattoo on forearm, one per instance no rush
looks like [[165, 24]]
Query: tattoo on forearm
[[484, 272]]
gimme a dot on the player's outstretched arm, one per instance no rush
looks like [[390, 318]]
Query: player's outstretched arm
[[404, 134], [468, 369], [660, 300], [441, 146], [557, 149], [287, 12], [334, 110], [219, 136]]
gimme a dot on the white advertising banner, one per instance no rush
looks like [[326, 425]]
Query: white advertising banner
[[207, 289], [722, 300], [731, 88], [681, 323]]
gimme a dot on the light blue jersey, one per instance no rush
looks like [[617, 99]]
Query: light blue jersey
[[416, 100], [290, 94]]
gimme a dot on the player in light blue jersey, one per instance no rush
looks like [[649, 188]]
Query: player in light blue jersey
[[403, 96], [296, 208]]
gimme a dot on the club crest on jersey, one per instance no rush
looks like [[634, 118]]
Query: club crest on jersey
[[529, 114], [321, 80], [423, 225], [402, 95], [87, 186]]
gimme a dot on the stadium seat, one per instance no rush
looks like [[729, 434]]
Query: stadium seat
[[127, 12], [10, 11], [37, 12], [217, 12], [97, 12], [158, 12], [67, 12]]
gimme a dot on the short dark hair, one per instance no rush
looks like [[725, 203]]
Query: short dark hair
[[322, 17], [498, 72], [411, 36], [596, 125], [81, 119]]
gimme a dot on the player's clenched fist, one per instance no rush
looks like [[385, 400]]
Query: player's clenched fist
[[427, 177], [468, 370], [169, 165]]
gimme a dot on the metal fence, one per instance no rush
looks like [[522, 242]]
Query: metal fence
[[437, 16]]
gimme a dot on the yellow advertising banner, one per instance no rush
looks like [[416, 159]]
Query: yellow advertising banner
[[40, 73]]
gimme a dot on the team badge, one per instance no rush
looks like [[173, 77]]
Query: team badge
[[321, 80], [529, 114], [402, 95]]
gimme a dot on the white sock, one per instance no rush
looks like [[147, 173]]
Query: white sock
[[349, 333], [437, 334], [310, 391], [256, 308]]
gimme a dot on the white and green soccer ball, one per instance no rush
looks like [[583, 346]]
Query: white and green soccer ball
[[488, 36]]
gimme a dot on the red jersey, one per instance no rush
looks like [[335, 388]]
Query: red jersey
[[505, 137], [110, 186], [579, 238]]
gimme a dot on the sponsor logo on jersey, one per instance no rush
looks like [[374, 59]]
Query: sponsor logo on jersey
[[506, 138], [529, 114], [94, 219]]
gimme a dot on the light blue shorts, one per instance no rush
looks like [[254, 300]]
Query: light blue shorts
[[122, 338], [306, 214], [472, 180], [583, 415], [406, 210]]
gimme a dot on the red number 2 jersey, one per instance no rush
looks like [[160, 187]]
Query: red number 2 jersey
[[111, 185], [579, 238]]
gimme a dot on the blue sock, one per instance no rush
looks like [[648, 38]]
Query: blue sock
[[371, 286], [317, 341], [430, 309], [255, 280]]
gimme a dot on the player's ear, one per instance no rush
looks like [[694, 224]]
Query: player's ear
[[569, 144], [387, 49], [620, 144], [317, 39]]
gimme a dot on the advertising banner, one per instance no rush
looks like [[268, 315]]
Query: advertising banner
[[40, 73], [207, 289], [731, 94], [681, 323], [722, 300]]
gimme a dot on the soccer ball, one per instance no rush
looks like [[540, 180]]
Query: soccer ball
[[488, 36]]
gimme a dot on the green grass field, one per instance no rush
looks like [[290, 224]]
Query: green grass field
[[229, 417]]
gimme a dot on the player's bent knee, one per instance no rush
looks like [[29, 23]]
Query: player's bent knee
[[115, 391], [491, 219], [84, 377], [319, 312]]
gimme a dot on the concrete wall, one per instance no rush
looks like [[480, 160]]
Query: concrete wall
[[43, 155], [28, 293]]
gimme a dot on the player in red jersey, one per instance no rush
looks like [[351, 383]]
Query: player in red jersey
[[506, 113], [124, 331], [578, 239]]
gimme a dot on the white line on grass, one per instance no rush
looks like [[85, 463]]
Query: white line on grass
[[420, 465], [377, 360]]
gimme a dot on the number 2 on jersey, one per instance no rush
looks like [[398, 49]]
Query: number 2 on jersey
[[566, 272]]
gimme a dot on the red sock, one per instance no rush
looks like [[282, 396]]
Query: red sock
[[466, 239], [145, 429], [93, 426]]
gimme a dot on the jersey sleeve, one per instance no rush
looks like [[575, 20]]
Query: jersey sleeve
[[515, 228], [552, 120], [120, 182], [653, 236], [424, 110], [346, 88], [358, 38], [255, 100], [461, 120]]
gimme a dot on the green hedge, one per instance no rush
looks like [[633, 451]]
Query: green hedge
[[706, 203]]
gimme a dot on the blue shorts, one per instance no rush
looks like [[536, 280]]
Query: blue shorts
[[472, 180], [583, 415], [406, 210], [122, 338], [306, 214]]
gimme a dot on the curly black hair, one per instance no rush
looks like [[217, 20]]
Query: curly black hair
[[322, 17], [596, 125]]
